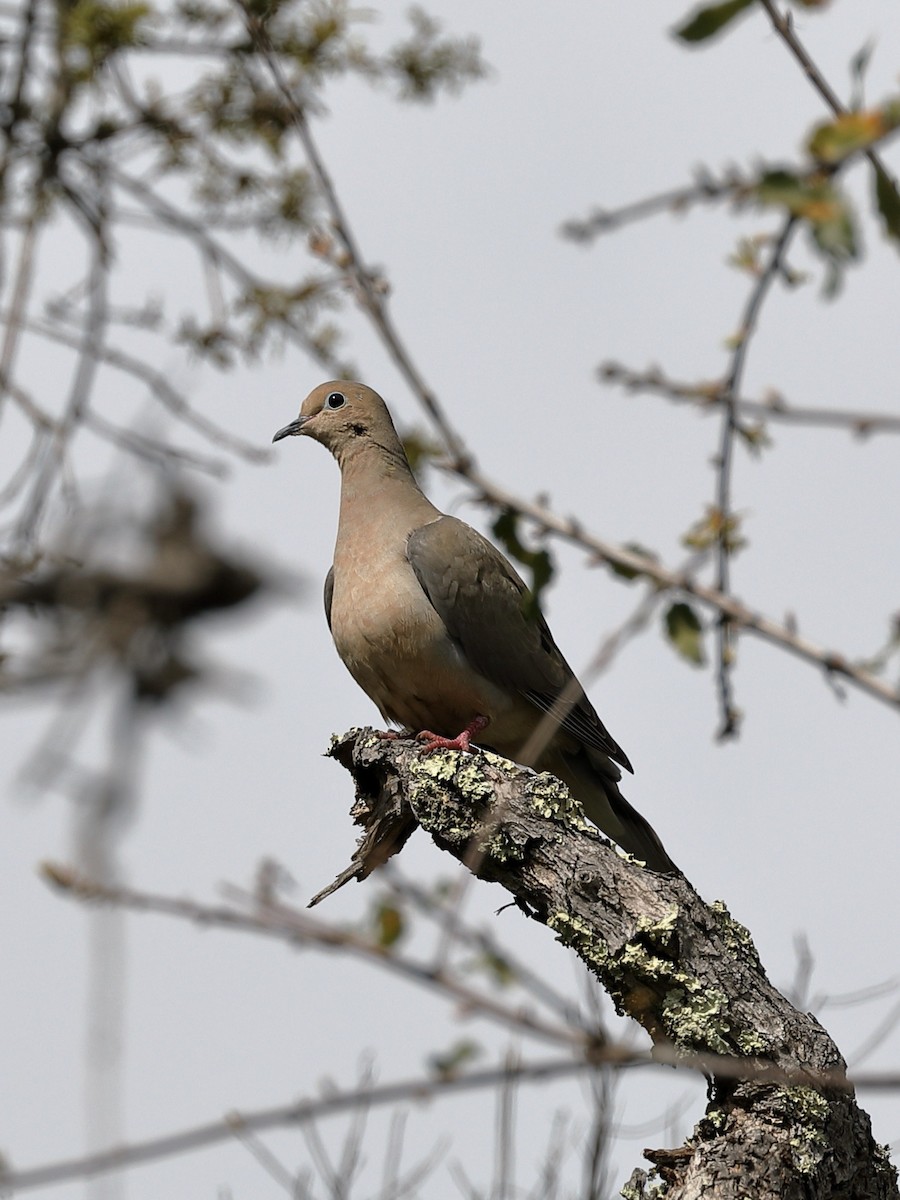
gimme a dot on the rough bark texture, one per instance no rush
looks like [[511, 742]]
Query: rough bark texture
[[686, 970]]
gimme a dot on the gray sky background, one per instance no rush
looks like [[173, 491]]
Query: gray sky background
[[794, 826]]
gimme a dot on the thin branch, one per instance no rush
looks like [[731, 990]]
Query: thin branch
[[209, 248], [19, 298], [503, 1185], [731, 389], [160, 386], [707, 396], [298, 928], [784, 27], [299, 1113], [706, 189], [446, 915], [785, 637], [371, 297], [414, 1090], [80, 392]]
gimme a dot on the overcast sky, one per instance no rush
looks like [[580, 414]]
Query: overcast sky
[[794, 825]]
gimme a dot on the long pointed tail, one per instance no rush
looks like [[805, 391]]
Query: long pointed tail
[[593, 784]]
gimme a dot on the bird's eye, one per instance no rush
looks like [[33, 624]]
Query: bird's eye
[[336, 400]]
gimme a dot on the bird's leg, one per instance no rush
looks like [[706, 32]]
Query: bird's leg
[[434, 741]]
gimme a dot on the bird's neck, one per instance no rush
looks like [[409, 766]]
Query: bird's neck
[[377, 482]]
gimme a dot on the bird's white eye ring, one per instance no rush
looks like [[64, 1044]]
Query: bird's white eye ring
[[335, 400]]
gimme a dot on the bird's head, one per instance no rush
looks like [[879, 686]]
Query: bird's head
[[341, 414]]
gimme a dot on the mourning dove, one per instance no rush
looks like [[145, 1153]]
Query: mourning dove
[[429, 619]]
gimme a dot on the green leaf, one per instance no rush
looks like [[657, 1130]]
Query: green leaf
[[833, 141], [859, 65], [447, 1065], [92, 31], [755, 437], [388, 924], [815, 200], [686, 633], [707, 22], [538, 562], [420, 450], [497, 967], [715, 528], [888, 200], [630, 573]]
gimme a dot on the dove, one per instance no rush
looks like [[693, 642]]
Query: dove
[[433, 622]]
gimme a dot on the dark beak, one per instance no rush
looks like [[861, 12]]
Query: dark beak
[[291, 430]]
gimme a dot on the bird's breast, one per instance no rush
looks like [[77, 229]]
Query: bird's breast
[[398, 650]]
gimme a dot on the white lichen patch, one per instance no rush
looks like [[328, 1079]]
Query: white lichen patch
[[737, 936], [694, 1015], [750, 1042], [808, 1110], [661, 929], [573, 931], [550, 797]]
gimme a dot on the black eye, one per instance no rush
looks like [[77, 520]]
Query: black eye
[[336, 400]]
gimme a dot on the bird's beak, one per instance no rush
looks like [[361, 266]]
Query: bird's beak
[[291, 430]]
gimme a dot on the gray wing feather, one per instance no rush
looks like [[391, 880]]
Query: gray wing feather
[[483, 604]]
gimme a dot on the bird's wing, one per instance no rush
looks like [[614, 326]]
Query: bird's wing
[[484, 606]]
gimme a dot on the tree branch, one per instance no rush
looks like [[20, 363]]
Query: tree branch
[[686, 971]]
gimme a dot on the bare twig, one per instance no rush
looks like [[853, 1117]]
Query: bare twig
[[403, 1091], [730, 717], [297, 1113], [569, 529], [706, 189], [298, 928], [82, 382], [161, 388], [19, 296], [444, 912], [707, 396], [371, 298]]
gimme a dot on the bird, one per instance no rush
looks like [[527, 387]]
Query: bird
[[435, 625]]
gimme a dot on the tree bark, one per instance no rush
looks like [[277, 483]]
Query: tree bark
[[686, 970]]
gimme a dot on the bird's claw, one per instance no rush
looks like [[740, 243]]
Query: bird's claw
[[462, 741]]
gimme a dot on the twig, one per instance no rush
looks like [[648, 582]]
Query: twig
[[372, 300], [19, 298], [209, 248], [298, 928], [161, 388], [403, 1091], [480, 940], [784, 27], [705, 189], [571, 530], [299, 1113], [707, 396], [725, 629], [82, 382]]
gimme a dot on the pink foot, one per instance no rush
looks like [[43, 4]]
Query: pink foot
[[434, 741]]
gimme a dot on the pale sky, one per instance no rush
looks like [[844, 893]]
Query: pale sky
[[794, 825]]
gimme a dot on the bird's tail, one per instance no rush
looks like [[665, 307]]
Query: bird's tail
[[594, 785]]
